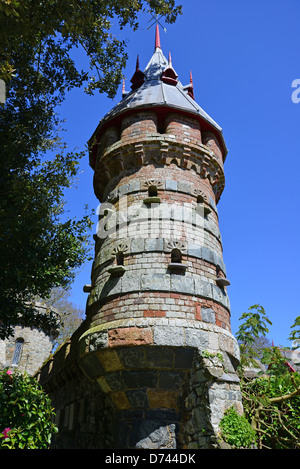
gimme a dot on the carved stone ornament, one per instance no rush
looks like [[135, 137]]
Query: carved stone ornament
[[122, 247], [152, 182], [198, 192], [176, 244]]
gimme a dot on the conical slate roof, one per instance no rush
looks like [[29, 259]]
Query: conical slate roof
[[155, 91]]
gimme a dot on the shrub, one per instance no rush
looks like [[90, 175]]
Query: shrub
[[25, 413], [272, 403], [236, 430]]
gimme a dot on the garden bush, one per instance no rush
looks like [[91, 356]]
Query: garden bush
[[26, 414], [236, 430]]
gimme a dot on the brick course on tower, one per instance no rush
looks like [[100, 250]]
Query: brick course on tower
[[157, 338]]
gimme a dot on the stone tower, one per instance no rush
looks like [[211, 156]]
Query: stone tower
[[28, 348], [158, 338]]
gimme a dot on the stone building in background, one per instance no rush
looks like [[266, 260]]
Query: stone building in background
[[28, 348], [154, 363]]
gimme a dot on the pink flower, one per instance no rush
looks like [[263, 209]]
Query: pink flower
[[9, 372], [5, 432]]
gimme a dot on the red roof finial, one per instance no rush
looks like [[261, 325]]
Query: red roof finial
[[137, 67], [157, 38], [191, 87]]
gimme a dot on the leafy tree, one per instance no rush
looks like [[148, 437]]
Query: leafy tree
[[38, 250], [39, 247], [295, 333], [26, 413], [71, 316], [46, 31], [253, 328], [272, 406], [272, 399]]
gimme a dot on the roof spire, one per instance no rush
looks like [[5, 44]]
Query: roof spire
[[138, 77], [137, 67], [190, 88], [123, 89], [157, 37]]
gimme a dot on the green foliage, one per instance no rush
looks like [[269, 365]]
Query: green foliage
[[51, 29], [295, 333], [272, 405], [236, 430], [254, 326], [40, 248], [25, 413], [206, 354], [271, 400]]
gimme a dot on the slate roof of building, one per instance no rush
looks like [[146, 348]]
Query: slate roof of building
[[155, 92]]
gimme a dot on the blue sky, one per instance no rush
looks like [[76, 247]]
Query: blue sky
[[244, 57]]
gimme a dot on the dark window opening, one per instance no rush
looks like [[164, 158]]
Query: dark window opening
[[152, 191], [120, 258], [161, 128], [17, 352], [176, 256], [200, 199]]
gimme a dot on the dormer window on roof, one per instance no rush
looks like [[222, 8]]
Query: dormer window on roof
[[169, 75], [138, 78]]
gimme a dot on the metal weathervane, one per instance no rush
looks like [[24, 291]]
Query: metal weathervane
[[156, 21]]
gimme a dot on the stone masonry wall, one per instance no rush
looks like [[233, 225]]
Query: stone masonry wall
[[141, 144], [133, 391], [84, 414], [155, 352], [35, 349]]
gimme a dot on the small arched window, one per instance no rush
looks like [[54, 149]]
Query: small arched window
[[203, 205], [152, 191], [120, 258], [17, 351], [176, 256], [176, 265]]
